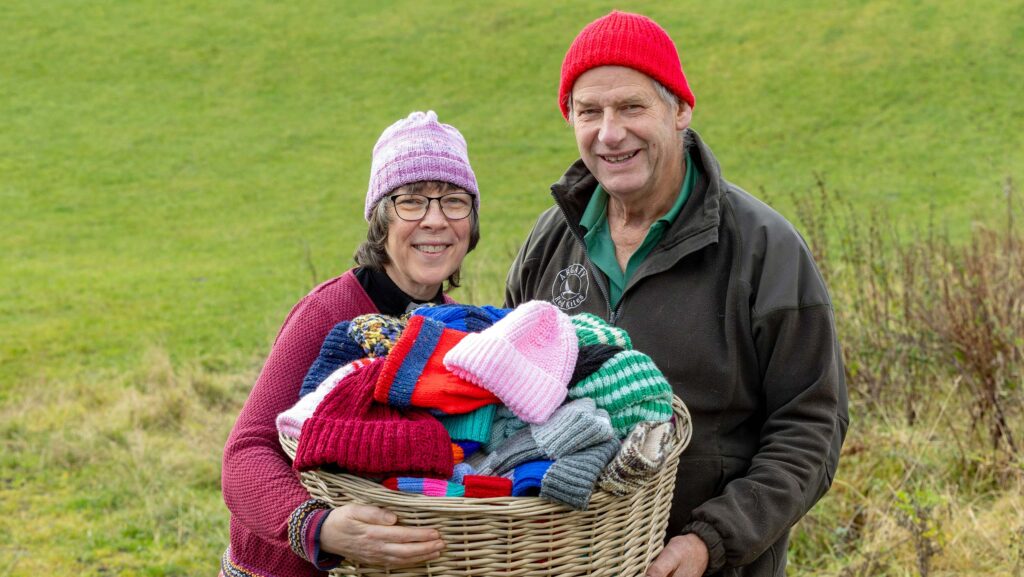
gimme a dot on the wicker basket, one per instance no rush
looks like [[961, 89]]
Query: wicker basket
[[522, 536]]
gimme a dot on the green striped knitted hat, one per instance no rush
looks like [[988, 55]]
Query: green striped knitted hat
[[631, 388], [592, 330]]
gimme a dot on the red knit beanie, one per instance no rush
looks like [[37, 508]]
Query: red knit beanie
[[349, 430], [624, 39]]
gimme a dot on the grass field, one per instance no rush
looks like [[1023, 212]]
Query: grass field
[[175, 175]]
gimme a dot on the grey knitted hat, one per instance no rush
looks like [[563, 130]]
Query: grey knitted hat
[[573, 427], [639, 460], [570, 480], [520, 448]]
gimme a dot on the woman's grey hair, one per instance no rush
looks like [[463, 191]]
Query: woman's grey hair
[[372, 253]]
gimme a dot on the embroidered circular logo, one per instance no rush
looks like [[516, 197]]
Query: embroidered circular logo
[[570, 287]]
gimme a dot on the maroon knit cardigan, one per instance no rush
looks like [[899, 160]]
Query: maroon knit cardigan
[[260, 488]]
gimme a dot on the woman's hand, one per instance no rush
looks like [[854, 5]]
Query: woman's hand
[[369, 535]]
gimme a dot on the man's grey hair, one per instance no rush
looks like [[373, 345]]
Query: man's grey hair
[[372, 253], [666, 95]]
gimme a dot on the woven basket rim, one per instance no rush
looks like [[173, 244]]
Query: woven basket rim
[[379, 494]]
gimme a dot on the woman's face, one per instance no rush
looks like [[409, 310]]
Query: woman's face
[[424, 253]]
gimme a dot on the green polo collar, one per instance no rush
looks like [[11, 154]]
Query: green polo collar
[[598, 237]]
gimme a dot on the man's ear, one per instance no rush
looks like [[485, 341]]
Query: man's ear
[[683, 116]]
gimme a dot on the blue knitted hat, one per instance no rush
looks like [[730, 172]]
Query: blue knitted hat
[[526, 478], [465, 318], [338, 349]]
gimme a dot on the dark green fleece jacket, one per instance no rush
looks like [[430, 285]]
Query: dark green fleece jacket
[[733, 310]]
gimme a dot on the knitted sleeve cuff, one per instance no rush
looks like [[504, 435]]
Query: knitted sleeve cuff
[[304, 526], [712, 540]]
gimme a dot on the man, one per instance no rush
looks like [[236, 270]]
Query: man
[[714, 285]]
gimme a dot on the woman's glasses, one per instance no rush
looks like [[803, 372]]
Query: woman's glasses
[[412, 207]]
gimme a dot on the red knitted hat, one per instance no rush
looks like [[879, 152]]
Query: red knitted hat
[[483, 486], [624, 39], [349, 430], [414, 373]]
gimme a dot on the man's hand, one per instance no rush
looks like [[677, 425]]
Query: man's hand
[[684, 556], [369, 535]]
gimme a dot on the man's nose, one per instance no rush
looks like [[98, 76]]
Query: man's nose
[[612, 132]]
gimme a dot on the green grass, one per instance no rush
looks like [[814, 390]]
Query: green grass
[[175, 175]]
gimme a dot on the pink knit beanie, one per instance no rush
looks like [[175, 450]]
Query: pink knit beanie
[[419, 148], [526, 359], [351, 431], [624, 39]]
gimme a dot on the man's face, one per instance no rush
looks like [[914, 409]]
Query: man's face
[[627, 135]]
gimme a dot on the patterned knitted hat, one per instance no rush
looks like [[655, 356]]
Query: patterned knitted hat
[[484, 486], [350, 430], [513, 452], [466, 318], [592, 330], [590, 359], [505, 424], [526, 478], [575, 426], [624, 39], [570, 480], [525, 359], [376, 333], [631, 388], [338, 349], [414, 374], [424, 486], [639, 460], [290, 422], [471, 426], [419, 148]]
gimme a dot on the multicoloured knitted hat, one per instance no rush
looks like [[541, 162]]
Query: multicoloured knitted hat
[[593, 330], [349, 430], [471, 426], [527, 477], [376, 333], [525, 359], [631, 388], [639, 460], [415, 376], [624, 39], [419, 148], [290, 422], [338, 349], [570, 480], [425, 486]]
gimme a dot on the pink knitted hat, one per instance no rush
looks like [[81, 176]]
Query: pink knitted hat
[[526, 359], [351, 431], [419, 148]]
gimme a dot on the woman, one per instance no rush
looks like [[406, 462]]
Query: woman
[[413, 245]]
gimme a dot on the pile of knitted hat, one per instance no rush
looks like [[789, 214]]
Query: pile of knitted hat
[[494, 378]]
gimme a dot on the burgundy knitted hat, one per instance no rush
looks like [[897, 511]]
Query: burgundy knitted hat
[[419, 148], [349, 430], [624, 39]]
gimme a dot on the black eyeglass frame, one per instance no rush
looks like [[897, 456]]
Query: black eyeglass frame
[[394, 202]]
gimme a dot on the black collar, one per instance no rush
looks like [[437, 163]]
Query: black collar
[[390, 299]]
